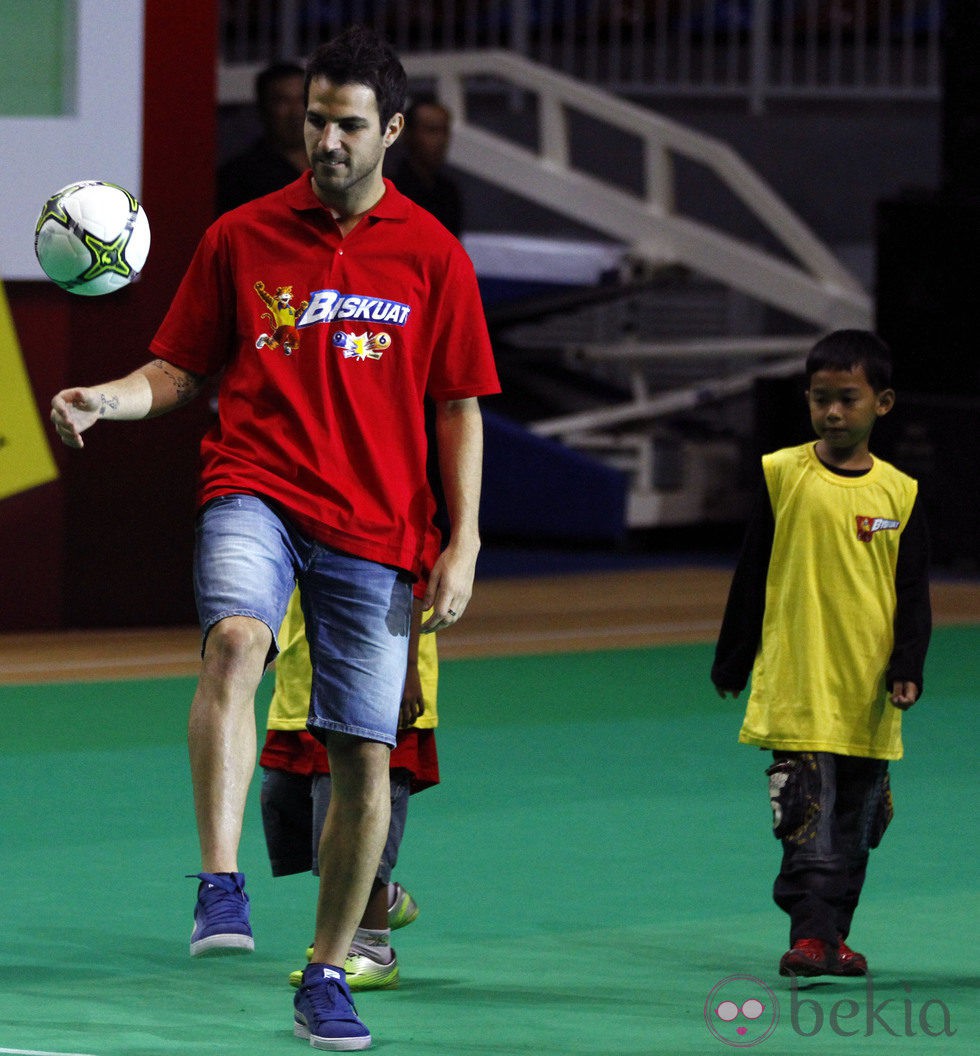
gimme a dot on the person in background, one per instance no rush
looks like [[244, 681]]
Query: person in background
[[421, 173], [296, 789], [278, 156], [296, 783]]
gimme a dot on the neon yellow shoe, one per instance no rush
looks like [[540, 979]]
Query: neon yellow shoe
[[363, 971], [402, 908], [366, 973]]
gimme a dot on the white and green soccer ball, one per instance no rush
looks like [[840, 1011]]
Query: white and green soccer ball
[[92, 237]]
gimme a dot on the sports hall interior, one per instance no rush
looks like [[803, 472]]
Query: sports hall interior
[[597, 857]]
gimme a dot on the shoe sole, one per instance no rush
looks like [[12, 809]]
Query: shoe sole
[[807, 971], [222, 945], [385, 977], [301, 1030]]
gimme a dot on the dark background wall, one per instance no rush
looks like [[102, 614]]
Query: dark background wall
[[109, 542]]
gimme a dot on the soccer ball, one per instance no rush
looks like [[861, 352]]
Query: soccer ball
[[92, 237]]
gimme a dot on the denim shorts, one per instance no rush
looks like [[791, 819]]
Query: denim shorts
[[247, 559]]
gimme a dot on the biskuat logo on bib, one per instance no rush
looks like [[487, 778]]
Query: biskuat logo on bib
[[868, 526]]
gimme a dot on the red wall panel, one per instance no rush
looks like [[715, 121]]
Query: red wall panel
[[110, 543]]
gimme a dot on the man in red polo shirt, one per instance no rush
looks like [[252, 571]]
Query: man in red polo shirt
[[330, 309]]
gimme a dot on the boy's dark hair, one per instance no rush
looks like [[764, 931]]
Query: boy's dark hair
[[848, 349], [278, 71], [361, 56]]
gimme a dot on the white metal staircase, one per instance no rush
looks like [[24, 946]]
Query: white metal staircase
[[803, 280], [808, 282]]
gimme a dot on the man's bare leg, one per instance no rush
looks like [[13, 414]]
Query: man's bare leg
[[221, 736], [351, 843]]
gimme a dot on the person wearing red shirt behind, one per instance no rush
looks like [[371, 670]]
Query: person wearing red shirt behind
[[314, 473]]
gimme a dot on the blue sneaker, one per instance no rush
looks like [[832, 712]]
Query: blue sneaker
[[325, 1012], [221, 915]]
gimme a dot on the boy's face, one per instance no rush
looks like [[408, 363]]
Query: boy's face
[[844, 408]]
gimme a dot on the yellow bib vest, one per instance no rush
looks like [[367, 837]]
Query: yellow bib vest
[[290, 702], [818, 683]]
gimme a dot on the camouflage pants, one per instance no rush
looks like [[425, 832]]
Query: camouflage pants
[[829, 811]]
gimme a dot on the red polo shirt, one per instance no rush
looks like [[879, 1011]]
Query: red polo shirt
[[327, 346]]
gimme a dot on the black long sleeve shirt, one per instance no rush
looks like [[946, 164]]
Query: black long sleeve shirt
[[741, 629]]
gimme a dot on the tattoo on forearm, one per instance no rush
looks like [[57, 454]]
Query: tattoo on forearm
[[107, 404], [185, 385]]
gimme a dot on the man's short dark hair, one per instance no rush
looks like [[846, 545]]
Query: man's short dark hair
[[266, 78], [361, 56], [849, 349], [418, 101]]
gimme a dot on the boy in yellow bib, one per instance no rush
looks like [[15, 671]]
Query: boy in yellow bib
[[296, 789], [829, 611]]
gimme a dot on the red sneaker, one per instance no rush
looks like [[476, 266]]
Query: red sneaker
[[807, 957], [848, 961]]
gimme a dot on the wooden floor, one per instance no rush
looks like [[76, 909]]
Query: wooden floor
[[509, 616]]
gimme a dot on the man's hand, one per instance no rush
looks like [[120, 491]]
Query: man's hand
[[459, 433], [155, 388], [450, 587], [75, 410]]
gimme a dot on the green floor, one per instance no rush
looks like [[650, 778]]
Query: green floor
[[594, 865]]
